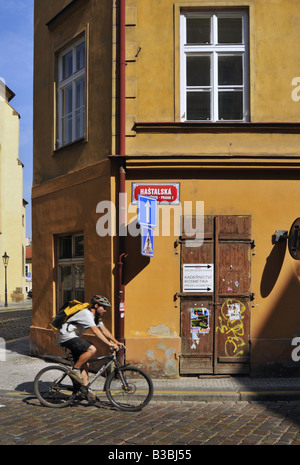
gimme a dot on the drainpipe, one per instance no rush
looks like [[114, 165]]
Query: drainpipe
[[120, 308], [122, 69]]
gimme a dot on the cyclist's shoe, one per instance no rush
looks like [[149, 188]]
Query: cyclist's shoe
[[91, 396], [88, 394], [75, 374]]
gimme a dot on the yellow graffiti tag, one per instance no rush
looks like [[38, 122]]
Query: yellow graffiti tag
[[231, 324]]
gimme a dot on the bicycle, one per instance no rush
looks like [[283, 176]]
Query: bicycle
[[127, 387]]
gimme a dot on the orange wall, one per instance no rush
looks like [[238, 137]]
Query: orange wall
[[68, 207], [153, 316]]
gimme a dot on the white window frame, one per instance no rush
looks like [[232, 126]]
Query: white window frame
[[214, 50], [62, 84]]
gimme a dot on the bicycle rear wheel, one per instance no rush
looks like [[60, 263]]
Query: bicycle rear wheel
[[54, 387], [129, 388]]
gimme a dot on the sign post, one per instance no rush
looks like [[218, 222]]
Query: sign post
[[147, 207], [147, 241]]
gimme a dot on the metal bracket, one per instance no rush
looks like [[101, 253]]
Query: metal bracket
[[281, 235], [177, 243]]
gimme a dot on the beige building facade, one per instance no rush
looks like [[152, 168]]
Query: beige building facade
[[12, 204]]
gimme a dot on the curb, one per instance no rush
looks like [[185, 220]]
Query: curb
[[13, 309], [199, 396], [225, 396]]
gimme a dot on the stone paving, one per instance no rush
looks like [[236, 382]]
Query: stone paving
[[162, 424], [187, 424], [14, 323]]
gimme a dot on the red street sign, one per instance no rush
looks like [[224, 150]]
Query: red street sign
[[167, 193]]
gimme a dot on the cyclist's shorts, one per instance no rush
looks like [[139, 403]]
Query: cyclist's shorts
[[77, 346]]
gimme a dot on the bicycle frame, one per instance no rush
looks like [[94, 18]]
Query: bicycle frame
[[112, 359]]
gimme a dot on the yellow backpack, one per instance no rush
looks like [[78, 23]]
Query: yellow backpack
[[67, 310]]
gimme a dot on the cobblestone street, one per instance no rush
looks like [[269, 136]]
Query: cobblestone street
[[161, 425], [14, 323], [24, 421]]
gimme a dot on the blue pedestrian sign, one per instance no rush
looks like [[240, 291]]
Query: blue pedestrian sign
[[147, 207], [147, 235]]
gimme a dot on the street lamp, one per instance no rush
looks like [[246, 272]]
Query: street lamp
[[5, 259]]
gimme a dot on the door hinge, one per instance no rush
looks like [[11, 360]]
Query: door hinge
[[177, 243]]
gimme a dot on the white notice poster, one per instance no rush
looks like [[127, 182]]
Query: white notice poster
[[198, 277]]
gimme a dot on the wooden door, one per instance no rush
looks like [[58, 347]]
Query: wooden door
[[215, 298]]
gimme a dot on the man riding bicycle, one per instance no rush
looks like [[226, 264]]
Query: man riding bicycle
[[81, 349]]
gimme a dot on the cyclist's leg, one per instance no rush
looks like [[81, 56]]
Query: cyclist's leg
[[82, 363], [84, 357], [82, 351]]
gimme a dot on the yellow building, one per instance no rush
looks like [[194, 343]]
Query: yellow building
[[12, 205], [195, 103]]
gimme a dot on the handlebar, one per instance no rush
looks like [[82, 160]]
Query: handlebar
[[112, 349]]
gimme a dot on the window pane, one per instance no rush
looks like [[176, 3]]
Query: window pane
[[198, 31], [79, 295], [66, 296], [71, 98], [79, 246], [66, 277], [68, 99], [67, 130], [231, 105], [79, 276], [198, 71], [79, 123], [65, 247], [67, 65], [230, 31], [198, 105], [230, 70], [71, 270], [80, 56], [79, 88]]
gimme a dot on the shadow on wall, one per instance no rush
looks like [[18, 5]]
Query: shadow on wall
[[272, 268], [275, 338]]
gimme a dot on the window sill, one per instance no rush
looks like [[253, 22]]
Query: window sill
[[70, 145], [220, 127]]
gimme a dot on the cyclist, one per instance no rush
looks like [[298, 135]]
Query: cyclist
[[81, 349]]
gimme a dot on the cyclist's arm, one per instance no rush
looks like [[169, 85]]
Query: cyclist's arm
[[101, 336], [108, 334]]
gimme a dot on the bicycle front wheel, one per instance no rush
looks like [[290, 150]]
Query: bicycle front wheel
[[54, 387], [129, 388]]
